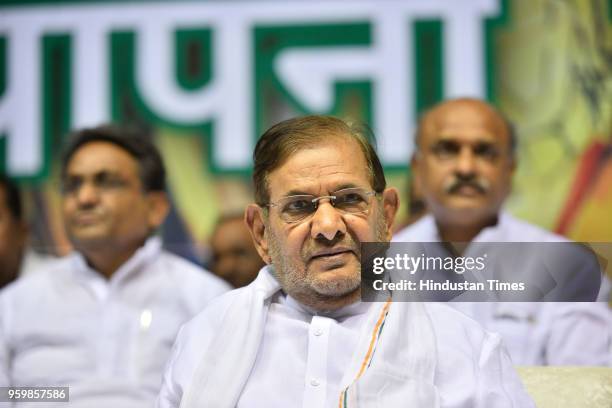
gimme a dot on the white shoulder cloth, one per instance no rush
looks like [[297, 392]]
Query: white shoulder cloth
[[394, 364]]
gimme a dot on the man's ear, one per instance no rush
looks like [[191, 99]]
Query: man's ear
[[254, 219], [390, 203], [159, 206]]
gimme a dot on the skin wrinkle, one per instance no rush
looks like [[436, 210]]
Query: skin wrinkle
[[331, 137], [345, 286]]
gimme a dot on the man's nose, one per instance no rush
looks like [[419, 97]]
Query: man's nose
[[87, 195], [327, 222], [466, 163]]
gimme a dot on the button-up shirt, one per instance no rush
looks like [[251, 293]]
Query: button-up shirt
[[314, 341], [107, 339], [534, 333], [33, 261]]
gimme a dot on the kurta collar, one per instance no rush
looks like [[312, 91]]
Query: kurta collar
[[143, 256], [490, 233]]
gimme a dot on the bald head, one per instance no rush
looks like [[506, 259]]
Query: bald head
[[470, 112], [464, 162]]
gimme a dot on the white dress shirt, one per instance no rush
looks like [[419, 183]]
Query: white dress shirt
[[303, 356], [534, 333], [107, 339], [33, 261]]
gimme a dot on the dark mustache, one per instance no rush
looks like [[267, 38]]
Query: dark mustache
[[471, 182]]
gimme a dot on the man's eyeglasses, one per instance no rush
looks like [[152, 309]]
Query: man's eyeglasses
[[297, 208]]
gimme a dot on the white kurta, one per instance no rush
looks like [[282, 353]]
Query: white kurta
[[33, 261], [534, 333], [303, 356], [106, 339]]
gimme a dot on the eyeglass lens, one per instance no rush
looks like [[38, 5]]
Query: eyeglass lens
[[296, 208]]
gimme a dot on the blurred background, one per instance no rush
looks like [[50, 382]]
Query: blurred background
[[206, 78]]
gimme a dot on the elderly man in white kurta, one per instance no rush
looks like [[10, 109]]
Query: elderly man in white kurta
[[102, 320], [463, 166], [299, 334]]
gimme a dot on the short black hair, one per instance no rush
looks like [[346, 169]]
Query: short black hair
[[12, 196], [137, 143]]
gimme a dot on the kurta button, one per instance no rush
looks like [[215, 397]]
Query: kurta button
[[314, 382], [318, 332]]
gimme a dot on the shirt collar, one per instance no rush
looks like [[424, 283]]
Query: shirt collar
[[493, 233], [486, 234], [143, 256], [428, 224]]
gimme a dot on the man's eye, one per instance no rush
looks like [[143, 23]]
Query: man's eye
[[445, 149], [109, 182], [298, 206], [70, 186], [486, 151], [349, 198]]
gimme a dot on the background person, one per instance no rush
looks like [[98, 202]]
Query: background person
[[102, 320], [13, 231], [463, 167], [234, 257], [17, 258]]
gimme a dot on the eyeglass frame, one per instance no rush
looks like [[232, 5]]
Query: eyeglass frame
[[315, 201]]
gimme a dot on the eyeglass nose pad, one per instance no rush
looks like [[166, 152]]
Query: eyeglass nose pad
[[331, 199]]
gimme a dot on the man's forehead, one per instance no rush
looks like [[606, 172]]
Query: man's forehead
[[101, 157], [473, 138], [231, 226], [464, 118], [231, 234], [332, 165]]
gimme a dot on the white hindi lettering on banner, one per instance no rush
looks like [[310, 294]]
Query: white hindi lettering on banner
[[229, 99]]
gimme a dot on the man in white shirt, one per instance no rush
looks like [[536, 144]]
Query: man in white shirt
[[102, 320], [463, 167], [13, 231], [299, 335], [17, 258]]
